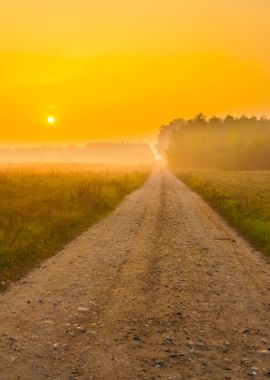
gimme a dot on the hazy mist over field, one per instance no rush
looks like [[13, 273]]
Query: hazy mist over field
[[102, 153]]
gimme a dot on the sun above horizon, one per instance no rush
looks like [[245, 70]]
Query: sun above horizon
[[51, 119]]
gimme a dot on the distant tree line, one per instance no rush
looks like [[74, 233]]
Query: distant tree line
[[216, 143]]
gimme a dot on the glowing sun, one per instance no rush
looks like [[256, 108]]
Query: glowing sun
[[51, 119]]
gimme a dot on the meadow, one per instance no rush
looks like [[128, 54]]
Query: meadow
[[242, 197], [43, 207]]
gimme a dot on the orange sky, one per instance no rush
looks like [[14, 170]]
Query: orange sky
[[113, 69]]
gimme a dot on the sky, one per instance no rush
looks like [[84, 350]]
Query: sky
[[118, 69]]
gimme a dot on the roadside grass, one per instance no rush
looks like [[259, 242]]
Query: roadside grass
[[243, 198], [42, 210]]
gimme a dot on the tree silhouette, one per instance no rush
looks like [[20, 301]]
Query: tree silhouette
[[215, 143]]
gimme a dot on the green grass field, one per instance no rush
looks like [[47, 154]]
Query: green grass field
[[243, 198], [43, 208]]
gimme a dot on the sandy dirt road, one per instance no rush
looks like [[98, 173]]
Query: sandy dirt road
[[161, 289]]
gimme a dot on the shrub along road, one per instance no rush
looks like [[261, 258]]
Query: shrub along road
[[161, 289]]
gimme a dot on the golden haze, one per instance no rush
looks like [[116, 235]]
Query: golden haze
[[109, 69]]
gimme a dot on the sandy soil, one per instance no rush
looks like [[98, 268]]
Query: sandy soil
[[161, 289]]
